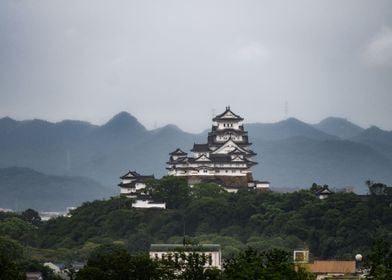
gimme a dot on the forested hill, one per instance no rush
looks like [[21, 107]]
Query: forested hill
[[22, 188], [291, 153], [339, 227]]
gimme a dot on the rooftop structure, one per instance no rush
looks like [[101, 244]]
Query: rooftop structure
[[332, 267], [324, 192], [133, 185], [324, 269]]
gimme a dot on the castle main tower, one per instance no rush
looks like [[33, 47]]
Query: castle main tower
[[225, 158]]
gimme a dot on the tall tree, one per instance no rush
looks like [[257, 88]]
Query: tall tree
[[379, 261]]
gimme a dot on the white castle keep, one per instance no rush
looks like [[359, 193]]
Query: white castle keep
[[225, 158]]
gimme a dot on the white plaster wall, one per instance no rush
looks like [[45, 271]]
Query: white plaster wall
[[126, 190], [216, 257], [262, 185], [224, 138], [140, 186], [146, 204], [232, 190], [228, 124]]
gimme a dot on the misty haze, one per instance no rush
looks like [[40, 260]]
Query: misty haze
[[195, 139]]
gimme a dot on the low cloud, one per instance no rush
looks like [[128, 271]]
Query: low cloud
[[379, 50], [251, 52]]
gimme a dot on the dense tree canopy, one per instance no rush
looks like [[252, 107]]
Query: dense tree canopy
[[249, 265], [267, 265], [379, 261], [338, 227]]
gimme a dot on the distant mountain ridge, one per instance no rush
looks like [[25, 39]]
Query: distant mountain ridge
[[377, 138], [291, 153], [339, 127], [291, 127], [23, 188]]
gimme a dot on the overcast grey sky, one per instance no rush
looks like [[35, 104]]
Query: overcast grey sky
[[177, 61]]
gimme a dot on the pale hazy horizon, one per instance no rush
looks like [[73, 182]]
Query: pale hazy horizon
[[177, 62]]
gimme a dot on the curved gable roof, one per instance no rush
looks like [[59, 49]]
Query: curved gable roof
[[228, 115], [178, 152]]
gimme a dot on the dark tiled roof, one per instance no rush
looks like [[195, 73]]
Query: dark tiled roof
[[261, 182], [207, 159], [126, 185], [183, 168], [130, 174], [225, 130], [178, 152], [201, 148], [221, 116], [204, 167], [252, 153], [236, 152], [135, 175], [181, 247], [251, 163], [220, 158], [179, 160], [133, 183], [324, 190]]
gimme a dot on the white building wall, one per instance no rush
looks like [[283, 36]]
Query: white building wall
[[221, 125], [221, 172], [263, 185], [224, 138], [126, 190], [216, 257], [140, 186], [147, 204]]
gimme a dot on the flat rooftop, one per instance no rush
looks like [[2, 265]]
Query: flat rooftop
[[187, 247]]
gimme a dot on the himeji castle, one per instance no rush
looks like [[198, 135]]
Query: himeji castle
[[225, 159]]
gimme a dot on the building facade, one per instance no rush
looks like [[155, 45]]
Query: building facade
[[225, 159], [133, 185], [211, 251]]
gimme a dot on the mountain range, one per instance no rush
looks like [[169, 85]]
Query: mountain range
[[291, 153], [23, 188]]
